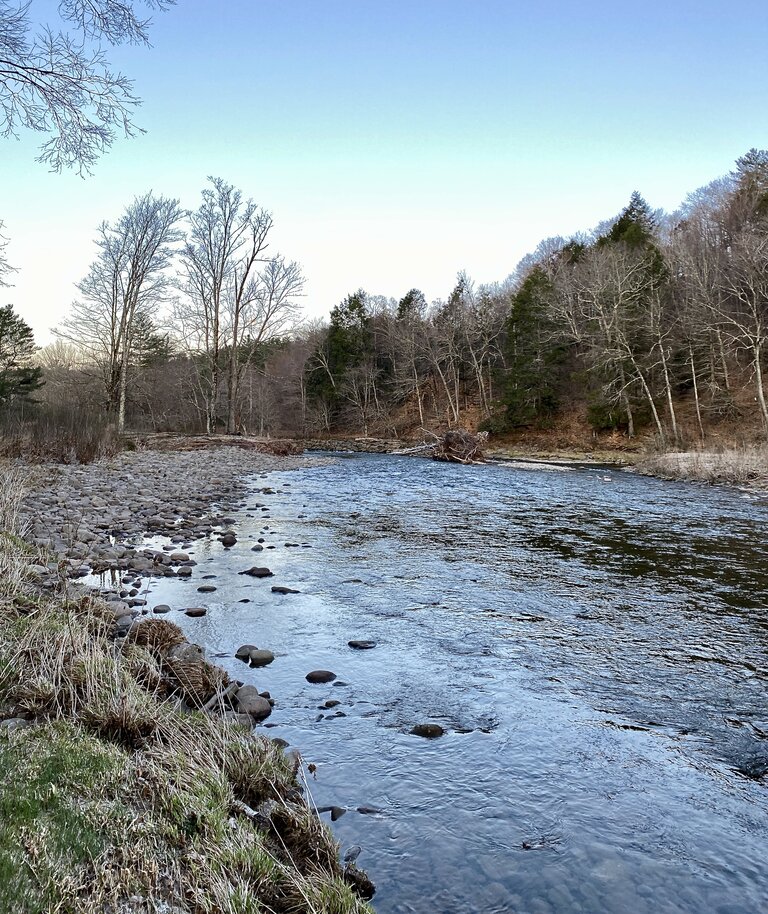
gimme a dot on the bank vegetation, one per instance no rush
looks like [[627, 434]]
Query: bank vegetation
[[117, 798]]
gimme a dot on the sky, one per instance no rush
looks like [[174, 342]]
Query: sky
[[397, 142]]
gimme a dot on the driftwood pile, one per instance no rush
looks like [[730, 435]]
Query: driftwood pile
[[455, 446]]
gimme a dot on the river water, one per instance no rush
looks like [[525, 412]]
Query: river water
[[594, 643]]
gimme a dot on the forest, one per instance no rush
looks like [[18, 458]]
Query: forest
[[651, 324]]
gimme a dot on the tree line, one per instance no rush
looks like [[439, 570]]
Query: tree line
[[186, 320]]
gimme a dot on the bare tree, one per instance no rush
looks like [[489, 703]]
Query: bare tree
[[236, 296], [126, 282], [745, 281], [59, 83], [5, 267]]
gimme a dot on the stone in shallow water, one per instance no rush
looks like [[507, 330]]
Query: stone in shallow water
[[196, 611], [161, 608], [281, 589], [428, 731], [362, 645], [320, 676], [206, 588], [244, 651], [261, 657], [257, 572], [250, 702]]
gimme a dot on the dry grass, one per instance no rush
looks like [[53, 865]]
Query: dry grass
[[115, 800], [15, 555], [730, 466], [68, 435]]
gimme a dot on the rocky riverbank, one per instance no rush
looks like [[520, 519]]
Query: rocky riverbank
[[93, 517], [120, 721]]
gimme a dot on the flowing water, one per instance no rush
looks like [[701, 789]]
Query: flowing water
[[595, 645]]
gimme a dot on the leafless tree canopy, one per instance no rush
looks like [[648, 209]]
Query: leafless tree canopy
[[59, 83]]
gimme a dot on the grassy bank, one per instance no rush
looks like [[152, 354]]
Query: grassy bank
[[118, 798]]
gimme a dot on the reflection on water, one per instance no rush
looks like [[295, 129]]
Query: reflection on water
[[595, 645]]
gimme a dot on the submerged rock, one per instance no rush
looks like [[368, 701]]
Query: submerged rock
[[428, 731], [195, 612], [280, 589], [362, 645]]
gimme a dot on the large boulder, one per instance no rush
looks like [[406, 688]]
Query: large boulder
[[248, 701]]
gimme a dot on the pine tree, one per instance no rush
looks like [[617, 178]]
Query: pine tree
[[19, 379]]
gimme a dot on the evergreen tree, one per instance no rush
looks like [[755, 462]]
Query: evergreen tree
[[535, 354], [19, 379]]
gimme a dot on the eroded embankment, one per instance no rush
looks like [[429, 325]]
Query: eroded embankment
[[133, 779]]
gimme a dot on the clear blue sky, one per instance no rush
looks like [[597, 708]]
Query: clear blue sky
[[399, 142]]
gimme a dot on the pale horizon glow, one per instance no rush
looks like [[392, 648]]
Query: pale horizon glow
[[399, 144]]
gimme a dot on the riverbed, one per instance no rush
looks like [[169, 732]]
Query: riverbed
[[593, 643]]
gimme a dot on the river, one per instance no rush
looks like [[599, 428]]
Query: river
[[594, 643]]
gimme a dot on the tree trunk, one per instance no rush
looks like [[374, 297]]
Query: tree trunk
[[123, 390], [723, 361], [627, 404], [668, 388], [757, 353], [696, 393]]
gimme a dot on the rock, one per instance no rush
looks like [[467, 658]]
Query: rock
[[331, 703], [161, 608], [428, 731], [281, 589], [245, 600], [206, 588], [257, 548], [257, 572], [120, 610], [362, 645], [320, 676], [184, 572], [244, 652], [336, 812], [260, 657], [186, 653], [250, 702], [195, 612], [353, 853], [228, 540], [232, 717], [14, 723], [179, 557]]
